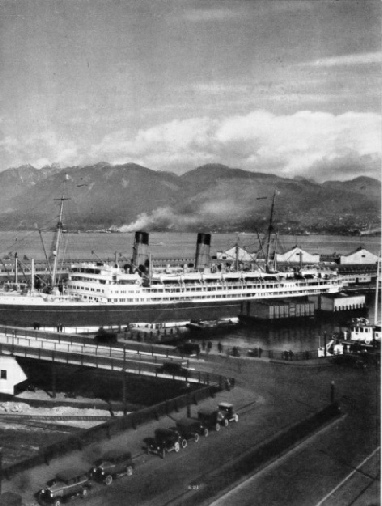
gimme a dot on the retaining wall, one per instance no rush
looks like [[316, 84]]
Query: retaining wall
[[112, 427]]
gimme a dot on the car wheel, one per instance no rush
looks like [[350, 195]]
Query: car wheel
[[225, 422], [205, 432], [236, 417], [129, 471], [85, 492], [176, 447], [109, 479], [184, 443], [217, 427], [196, 437]]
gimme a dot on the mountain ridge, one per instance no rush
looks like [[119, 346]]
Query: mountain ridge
[[215, 196]]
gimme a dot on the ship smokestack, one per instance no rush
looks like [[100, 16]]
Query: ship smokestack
[[202, 255], [141, 253]]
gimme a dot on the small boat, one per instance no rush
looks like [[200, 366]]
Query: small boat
[[363, 331], [209, 324]]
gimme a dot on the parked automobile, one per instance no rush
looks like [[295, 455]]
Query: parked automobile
[[112, 464], [67, 484], [173, 368], [211, 418], [191, 349], [228, 413], [190, 428], [164, 441]]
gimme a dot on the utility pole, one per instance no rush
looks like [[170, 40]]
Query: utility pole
[[377, 290]]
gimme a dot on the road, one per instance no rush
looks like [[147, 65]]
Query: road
[[314, 474], [269, 396]]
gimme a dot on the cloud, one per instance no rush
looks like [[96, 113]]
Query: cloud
[[289, 145], [346, 167], [39, 149], [207, 15], [351, 59], [215, 88]]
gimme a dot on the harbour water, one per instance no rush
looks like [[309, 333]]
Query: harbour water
[[167, 245], [300, 335]]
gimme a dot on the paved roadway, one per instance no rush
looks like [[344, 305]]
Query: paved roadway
[[340, 466], [269, 396], [319, 473]]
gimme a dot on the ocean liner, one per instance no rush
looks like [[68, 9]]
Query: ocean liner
[[100, 294]]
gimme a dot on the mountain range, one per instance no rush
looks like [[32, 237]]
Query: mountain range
[[211, 197]]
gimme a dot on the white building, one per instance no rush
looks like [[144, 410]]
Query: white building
[[341, 301], [297, 255], [11, 373], [359, 256], [242, 255]]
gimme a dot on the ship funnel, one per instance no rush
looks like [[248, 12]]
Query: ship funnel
[[202, 255], [140, 258]]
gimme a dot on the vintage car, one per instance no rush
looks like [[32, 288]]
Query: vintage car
[[191, 349], [190, 428], [67, 484], [112, 464], [211, 419], [229, 415], [164, 441], [173, 368]]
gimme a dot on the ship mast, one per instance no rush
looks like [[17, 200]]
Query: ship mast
[[270, 229], [58, 239], [58, 236], [237, 253]]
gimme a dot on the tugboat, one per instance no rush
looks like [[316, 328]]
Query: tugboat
[[360, 329]]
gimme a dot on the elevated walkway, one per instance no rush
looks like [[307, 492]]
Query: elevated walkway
[[140, 358]]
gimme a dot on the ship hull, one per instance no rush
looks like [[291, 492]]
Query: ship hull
[[34, 312], [85, 315]]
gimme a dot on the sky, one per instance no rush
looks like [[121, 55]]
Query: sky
[[276, 86]]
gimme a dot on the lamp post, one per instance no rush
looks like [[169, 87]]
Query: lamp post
[[1, 466], [332, 392]]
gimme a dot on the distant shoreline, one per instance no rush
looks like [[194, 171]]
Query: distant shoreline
[[106, 231]]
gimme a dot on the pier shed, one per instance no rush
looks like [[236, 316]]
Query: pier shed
[[341, 302], [359, 256], [297, 255], [234, 253], [277, 309]]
